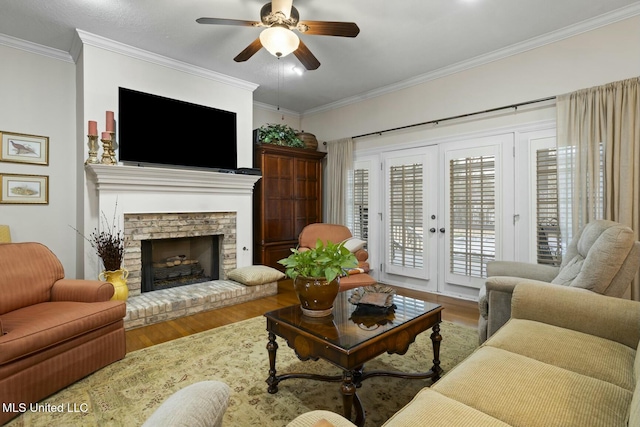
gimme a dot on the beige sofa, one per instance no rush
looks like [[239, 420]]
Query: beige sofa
[[567, 357]]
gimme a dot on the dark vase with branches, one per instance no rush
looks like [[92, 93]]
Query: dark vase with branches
[[109, 246]]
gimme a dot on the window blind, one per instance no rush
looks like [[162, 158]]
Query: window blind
[[549, 242], [406, 215], [360, 191], [472, 201]]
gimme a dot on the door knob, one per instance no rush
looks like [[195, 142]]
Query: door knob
[[433, 230], [442, 230]]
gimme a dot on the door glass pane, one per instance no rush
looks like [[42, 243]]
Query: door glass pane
[[472, 215], [360, 216], [549, 243], [406, 216]]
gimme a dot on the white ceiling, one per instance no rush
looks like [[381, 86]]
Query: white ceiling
[[399, 42]]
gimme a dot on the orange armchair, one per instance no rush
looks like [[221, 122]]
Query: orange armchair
[[53, 331], [336, 233]]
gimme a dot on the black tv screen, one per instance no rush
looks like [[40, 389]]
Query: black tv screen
[[157, 130]]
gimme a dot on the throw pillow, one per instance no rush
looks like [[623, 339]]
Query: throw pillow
[[354, 244], [255, 275], [200, 404]]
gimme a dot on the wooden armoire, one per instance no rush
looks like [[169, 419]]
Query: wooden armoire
[[288, 197]]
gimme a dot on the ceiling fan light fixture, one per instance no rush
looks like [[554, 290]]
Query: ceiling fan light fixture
[[279, 41]]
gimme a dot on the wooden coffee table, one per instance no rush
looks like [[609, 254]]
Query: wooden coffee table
[[348, 345]]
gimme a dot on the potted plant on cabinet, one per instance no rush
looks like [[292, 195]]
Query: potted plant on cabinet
[[279, 135], [316, 275]]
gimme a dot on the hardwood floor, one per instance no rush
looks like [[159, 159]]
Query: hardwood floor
[[457, 311]]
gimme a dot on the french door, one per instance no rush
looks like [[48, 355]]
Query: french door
[[446, 214], [411, 205], [477, 206]]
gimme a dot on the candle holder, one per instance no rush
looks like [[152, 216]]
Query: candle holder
[[112, 148], [106, 152], [93, 150]]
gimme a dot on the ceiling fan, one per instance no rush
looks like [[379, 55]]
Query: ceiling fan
[[280, 18]]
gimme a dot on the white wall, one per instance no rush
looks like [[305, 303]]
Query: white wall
[[37, 96], [264, 114], [107, 65], [593, 58]]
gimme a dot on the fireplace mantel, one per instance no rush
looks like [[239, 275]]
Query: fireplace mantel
[[133, 178], [117, 190]]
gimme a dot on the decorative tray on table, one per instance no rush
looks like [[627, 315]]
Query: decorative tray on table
[[375, 305]]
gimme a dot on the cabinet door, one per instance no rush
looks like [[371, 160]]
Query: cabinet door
[[277, 193], [307, 194]]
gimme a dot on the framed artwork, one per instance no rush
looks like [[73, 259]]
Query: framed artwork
[[24, 189], [22, 148]]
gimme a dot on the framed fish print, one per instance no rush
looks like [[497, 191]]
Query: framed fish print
[[23, 148], [24, 189]]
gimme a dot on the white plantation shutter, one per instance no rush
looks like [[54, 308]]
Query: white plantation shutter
[[548, 239], [472, 210], [405, 226], [360, 207]]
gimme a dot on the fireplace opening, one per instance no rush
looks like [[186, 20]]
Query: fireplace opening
[[168, 263]]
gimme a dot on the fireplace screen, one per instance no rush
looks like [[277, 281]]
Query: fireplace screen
[[167, 263]]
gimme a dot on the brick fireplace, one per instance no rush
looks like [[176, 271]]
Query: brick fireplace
[[156, 226], [161, 203]]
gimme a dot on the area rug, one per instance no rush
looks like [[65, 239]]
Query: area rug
[[127, 392]]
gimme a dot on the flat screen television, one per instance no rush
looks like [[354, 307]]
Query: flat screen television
[[156, 130]]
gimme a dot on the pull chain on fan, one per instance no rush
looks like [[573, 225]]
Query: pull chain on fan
[[280, 72]]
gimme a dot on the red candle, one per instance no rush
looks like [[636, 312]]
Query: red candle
[[110, 121], [106, 135], [93, 128]]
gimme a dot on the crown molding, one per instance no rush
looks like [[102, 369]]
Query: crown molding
[[552, 37], [103, 43], [35, 48]]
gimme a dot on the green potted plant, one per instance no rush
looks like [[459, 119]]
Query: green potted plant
[[279, 134], [316, 275]]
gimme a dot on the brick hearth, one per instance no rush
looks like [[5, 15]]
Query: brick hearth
[[159, 306]]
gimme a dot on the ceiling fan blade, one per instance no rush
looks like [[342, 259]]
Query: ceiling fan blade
[[249, 51], [221, 21], [283, 6], [328, 28], [305, 56]]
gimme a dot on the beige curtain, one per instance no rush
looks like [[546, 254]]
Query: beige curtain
[[599, 157], [339, 165]]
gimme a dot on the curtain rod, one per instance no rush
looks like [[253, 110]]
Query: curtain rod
[[515, 106]]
